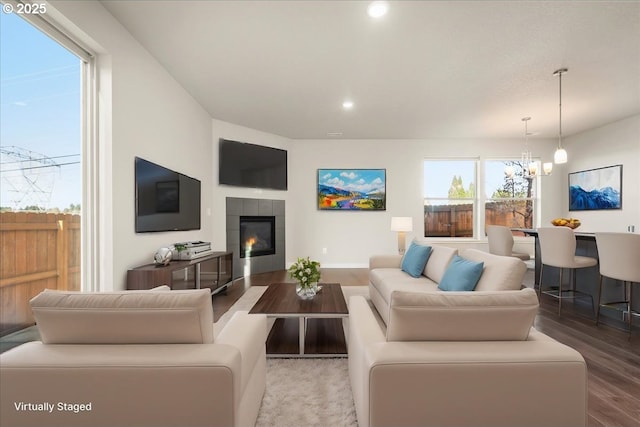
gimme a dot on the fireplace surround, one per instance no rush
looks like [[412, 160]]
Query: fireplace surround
[[258, 261]]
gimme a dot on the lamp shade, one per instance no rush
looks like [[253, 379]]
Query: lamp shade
[[560, 156], [401, 223]]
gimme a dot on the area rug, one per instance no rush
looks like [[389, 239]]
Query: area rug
[[307, 392], [303, 392]]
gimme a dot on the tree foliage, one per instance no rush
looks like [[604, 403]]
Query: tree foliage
[[518, 187], [457, 190]]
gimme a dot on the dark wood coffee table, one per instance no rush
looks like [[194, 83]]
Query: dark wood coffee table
[[304, 328]]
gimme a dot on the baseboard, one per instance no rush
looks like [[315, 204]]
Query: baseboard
[[354, 265], [323, 265]]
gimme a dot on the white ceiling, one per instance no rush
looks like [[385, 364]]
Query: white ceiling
[[451, 69]]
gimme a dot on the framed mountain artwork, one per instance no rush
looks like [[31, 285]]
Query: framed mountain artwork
[[352, 189]]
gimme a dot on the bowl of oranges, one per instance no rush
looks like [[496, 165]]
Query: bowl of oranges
[[572, 223]]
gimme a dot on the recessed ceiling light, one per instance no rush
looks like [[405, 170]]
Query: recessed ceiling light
[[347, 105], [334, 134], [378, 9]]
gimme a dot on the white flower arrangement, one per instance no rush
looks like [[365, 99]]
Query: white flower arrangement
[[305, 272]]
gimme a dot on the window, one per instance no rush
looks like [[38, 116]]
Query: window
[[44, 132], [509, 202], [450, 198], [454, 208]]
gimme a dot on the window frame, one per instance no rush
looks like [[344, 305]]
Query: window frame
[[534, 198], [90, 221], [481, 198], [473, 201]]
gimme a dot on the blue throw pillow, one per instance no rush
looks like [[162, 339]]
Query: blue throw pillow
[[461, 275], [415, 259]]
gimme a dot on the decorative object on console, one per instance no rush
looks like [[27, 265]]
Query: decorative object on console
[[401, 224], [352, 189], [596, 189], [560, 156], [415, 259], [307, 274], [162, 256], [191, 250]]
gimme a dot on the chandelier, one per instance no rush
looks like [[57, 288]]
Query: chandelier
[[530, 166]]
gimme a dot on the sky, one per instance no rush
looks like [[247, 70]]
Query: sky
[[439, 174], [40, 114]]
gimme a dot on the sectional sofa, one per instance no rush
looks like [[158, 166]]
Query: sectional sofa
[[419, 356], [386, 275]]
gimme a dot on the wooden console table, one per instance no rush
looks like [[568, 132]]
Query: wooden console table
[[212, 271]]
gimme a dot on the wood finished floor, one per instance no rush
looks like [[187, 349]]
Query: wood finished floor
[[613, 360]]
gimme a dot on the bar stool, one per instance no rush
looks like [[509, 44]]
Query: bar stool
[[558, 249], [619, 255], [501, 242]]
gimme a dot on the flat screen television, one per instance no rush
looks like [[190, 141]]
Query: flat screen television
[[255, 166], [165, 200]]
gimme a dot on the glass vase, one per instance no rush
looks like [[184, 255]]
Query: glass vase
[[307, 291]]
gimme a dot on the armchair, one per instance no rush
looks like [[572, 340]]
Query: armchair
[[134, 358]]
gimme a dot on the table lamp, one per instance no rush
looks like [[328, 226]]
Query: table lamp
[[401, 224]]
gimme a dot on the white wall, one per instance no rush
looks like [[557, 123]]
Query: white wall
[[613, 144], [351, 237], [150, 116]]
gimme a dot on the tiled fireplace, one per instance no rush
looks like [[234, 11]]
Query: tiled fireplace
[[255, 235]]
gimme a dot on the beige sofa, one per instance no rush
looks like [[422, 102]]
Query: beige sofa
[[134, 358], [386, 276], [461, 359]]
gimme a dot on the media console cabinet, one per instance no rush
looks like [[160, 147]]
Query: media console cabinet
[[212, 271]]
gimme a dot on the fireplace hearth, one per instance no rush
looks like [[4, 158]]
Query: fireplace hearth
[[257, 236]]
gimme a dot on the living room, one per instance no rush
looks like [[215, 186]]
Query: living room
[[145, 110]]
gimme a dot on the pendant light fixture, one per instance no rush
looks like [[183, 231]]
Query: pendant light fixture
[[560, 156], [529, 166]]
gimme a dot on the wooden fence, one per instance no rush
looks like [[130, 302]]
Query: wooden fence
[[457, 220], [37, 251]]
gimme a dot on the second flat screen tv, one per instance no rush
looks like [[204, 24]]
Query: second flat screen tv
[[165, 200], [254, 166]]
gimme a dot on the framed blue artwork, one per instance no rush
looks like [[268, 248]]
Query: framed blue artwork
[[596, 189]]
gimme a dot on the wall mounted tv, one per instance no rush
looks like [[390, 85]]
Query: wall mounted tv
[[254, 166], [165, 200]]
